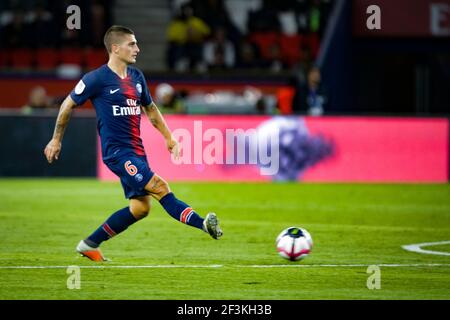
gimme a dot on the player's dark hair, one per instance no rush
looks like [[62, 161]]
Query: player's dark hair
[[112, 35]]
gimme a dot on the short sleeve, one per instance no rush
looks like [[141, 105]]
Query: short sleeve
[[85, 89], [146, 97]]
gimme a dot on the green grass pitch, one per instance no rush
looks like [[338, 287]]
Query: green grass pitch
[[352, 225]]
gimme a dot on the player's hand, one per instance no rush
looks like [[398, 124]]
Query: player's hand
[[52, 150], [173, 147]]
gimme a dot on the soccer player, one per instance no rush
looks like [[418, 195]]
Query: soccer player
[[119, 93]]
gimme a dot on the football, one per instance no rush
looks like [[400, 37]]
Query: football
[[294, 243]]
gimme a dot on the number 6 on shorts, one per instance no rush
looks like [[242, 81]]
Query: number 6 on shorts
[[131, 169]]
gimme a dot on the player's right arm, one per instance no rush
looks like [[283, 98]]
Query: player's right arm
[[85, 89], [53, 148]]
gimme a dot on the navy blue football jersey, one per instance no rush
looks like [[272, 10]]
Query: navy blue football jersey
[[118, 104]]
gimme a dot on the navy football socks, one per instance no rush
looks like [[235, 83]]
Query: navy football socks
[[116, 223], [122, 219], [181, 211]]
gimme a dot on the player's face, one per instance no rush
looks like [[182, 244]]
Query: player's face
[[128, 49]]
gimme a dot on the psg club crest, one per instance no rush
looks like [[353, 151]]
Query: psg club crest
[[139, 87], [138, 177]]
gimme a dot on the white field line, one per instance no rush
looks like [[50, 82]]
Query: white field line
[[211, 266], [418, 248]]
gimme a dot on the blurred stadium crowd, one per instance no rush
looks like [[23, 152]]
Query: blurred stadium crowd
[[33, 34], [278, 35]]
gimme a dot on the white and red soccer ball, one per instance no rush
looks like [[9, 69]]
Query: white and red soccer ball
[[294, 243]]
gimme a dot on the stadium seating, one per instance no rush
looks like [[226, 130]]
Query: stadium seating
[[72, 56], [313, 41], [46, 58], [95, 58], [265, 41], [4, 57], [21, 58], [290, 46]]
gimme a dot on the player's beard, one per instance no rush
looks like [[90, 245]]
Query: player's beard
[[128, 59], [132, 60]]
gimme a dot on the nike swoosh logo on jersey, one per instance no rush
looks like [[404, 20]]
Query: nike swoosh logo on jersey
[[113, 91]]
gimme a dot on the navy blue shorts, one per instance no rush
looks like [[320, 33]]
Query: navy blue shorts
[[133, 171]]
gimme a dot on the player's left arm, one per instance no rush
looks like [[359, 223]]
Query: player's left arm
[[157, 120]]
